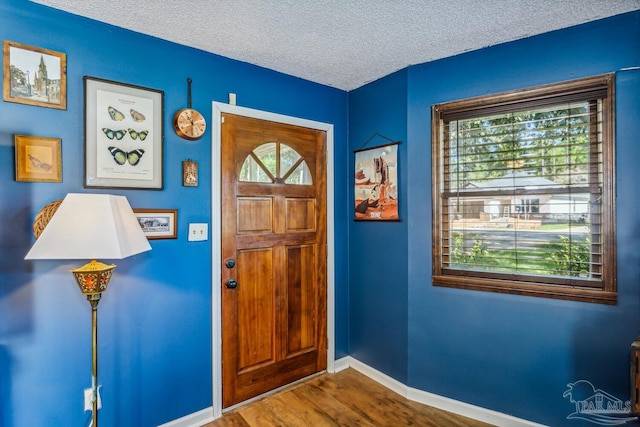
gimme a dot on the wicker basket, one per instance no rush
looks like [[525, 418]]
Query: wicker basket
[[44, 216]]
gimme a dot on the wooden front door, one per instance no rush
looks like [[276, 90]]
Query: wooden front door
[[274, 270]]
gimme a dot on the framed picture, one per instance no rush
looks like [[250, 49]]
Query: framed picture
[[34, 76], [123, 135], [189, 173], [376, 183], [158, 223], [38, 158]]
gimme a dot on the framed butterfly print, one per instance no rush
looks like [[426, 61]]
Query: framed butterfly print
[[123, 135], [38, 158], [34, 76]]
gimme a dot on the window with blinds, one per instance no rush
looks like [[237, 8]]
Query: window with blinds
[[523, 196]]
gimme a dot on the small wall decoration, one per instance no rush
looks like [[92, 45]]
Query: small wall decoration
[[376, 183], [34, 76], [123, 137], [38, 158], [189, 173], [158, 223]]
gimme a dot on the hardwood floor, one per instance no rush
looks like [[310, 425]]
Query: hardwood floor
[[347, 398]]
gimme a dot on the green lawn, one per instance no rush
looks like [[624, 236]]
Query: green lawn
[[564, 258], [511, 261], [554, 226]]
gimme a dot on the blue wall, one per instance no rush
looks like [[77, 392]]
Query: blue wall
[[155, 319], [512, 354], [516, 354], [378, 250], [508, 353]]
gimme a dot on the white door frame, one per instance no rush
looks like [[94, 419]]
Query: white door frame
[[218, 108]]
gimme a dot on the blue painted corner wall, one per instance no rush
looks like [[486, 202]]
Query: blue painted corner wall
[[507, 353], [155, 320], [378, 291], [511, 354]]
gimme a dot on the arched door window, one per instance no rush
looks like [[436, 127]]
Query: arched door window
[[274, 162]]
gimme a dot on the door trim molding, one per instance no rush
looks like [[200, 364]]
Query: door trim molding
[[218, 108]]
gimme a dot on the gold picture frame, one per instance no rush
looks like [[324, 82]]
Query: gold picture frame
[[38, 158], [158, 223], [34, 76]]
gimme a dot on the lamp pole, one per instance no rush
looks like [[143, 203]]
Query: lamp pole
[[94, 299], [93, 279]]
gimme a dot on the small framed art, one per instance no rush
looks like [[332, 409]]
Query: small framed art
[[34, 76], [38, 158], [189, 173], [158, 223], [123, 137]]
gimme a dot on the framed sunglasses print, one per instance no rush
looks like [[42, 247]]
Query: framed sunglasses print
[[123, 135]]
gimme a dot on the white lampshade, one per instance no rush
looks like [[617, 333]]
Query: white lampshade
[[91, 226]]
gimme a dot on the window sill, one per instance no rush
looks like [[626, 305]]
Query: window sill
[[529, 289]]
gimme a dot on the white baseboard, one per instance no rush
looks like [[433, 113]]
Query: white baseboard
[[385, 380], [197, 419], [441, 402], [205, 416], [468, 410], [341, 364]]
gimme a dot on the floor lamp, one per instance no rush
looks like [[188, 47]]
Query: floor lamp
[[89, 226]]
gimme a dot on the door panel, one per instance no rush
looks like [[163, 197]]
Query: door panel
[[274, 228], [257, 214], [301, 298], [301, 215], [255, 308]]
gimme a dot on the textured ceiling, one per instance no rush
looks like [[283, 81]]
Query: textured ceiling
[[342, 43]]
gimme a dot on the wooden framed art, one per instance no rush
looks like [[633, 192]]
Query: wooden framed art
[[38, 158], [189, 173], [34, 76], [158, 223], [376, 183], [123, 135]]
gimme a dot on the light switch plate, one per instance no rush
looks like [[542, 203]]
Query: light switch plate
[[198, 232]]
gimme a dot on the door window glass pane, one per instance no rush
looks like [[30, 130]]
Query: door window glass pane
[[275, 162], [301, 175]]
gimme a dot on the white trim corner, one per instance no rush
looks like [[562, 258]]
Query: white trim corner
[[195, 419]]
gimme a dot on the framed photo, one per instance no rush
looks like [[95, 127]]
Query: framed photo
[[38, 158], [158, 223], [123, 135], [376, 183], [34, 76], [189, 173]]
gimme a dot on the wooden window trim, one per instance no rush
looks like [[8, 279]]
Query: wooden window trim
[[602, 86]]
